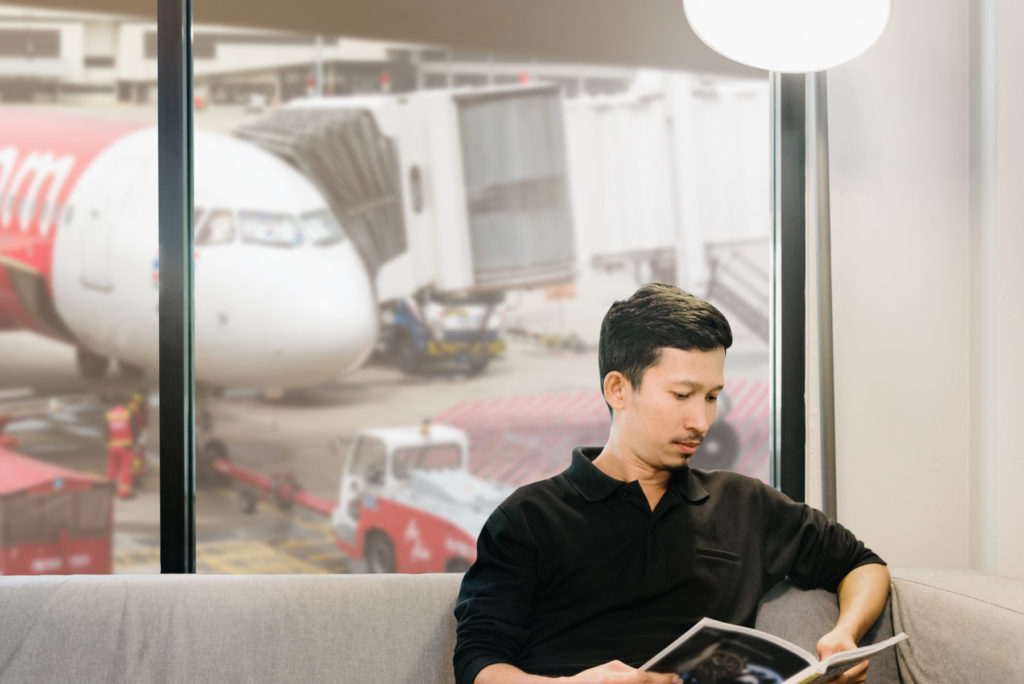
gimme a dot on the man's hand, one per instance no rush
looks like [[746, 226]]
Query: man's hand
[[862, 596], [837, 641], [617, 672]]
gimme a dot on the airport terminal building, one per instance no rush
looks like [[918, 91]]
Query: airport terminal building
[[80, 57]]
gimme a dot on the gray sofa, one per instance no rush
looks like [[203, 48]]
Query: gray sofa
[[964, 627]]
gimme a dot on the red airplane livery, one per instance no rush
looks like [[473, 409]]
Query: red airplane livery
[[282, 298]]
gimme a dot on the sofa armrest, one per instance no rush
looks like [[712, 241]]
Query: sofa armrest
[[964, 626]]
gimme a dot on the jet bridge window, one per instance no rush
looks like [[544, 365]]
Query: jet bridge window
[[269, 228], [217, 229], [320, 228]]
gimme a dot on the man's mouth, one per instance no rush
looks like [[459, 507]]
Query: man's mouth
[[688, 447]]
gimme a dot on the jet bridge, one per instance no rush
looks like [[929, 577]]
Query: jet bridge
[[354, 166]]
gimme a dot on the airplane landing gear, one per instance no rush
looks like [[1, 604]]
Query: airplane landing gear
[[209, 449], [90, 364]]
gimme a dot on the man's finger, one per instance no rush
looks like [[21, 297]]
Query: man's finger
[[855, 674], [659, 678]]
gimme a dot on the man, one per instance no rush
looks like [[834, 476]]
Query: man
[[120, 449], [138, 411], [628, 547]]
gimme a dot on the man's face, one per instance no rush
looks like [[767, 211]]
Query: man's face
[[666, 419]]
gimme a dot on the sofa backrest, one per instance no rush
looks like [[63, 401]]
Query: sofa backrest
[[963, 626], [201, 628], [802, 617]]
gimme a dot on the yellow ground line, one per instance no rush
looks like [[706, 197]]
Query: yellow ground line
[[322, 528], [304, 543], [237, 556], [317, 557]]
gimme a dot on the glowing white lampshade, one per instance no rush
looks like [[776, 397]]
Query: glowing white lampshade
[[788, 35]]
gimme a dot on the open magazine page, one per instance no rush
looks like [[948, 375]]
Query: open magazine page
[[836, 664], [714, 652]]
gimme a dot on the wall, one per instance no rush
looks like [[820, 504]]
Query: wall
[[898, 125], [1004, 549], [928, 326]]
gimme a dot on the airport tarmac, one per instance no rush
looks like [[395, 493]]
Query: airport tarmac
[[293, 432]]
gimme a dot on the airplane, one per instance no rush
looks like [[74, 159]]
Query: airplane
[[282, 298]]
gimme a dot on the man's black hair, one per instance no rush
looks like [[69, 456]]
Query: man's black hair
[[635, 330]]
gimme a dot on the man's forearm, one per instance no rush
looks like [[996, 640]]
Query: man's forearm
[[862, 596], [503, 673]]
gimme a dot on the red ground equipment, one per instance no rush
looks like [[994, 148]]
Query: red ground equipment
[[53, 520]]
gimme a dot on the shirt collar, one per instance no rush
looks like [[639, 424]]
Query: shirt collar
[[593, 484]]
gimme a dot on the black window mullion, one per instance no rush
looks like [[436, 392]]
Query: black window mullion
[[787, 340], [177, 386]]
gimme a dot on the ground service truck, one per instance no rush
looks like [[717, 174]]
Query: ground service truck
[[452, 197], [406, 499]]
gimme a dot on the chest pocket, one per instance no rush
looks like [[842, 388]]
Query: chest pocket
[[704, 552]]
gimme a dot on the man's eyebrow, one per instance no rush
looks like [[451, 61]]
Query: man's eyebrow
[[696, 385]]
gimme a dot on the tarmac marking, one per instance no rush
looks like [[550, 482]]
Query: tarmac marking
[[318, 527], [233, 557], [304, 543]]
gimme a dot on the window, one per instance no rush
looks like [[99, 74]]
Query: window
[[435, 457], [268, 228], [218, 229], [320, 228]]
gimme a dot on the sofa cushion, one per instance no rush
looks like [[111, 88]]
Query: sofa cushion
[[964, 626], [803, 616]]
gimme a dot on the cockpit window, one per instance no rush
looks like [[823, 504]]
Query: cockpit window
[[320, 228], [269, 228], [218, 229]]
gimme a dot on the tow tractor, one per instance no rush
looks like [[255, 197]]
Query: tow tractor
[[406, 499]]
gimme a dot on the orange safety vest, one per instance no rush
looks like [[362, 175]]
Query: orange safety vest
[[119, 427]]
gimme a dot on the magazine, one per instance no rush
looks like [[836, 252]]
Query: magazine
[[714, 652]]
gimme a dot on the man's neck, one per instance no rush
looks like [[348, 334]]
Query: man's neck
[[623, 464]]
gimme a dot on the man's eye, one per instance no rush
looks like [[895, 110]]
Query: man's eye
[[712, 397], [681, 396]]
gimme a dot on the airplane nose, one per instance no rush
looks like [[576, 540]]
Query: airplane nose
[[324, 320], [305, 318]]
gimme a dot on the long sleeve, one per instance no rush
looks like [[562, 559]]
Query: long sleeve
[[493, 607], [804, 544]]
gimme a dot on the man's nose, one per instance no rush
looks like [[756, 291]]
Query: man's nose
[[698, 420]]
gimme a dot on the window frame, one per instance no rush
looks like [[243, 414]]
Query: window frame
[[176, 334]]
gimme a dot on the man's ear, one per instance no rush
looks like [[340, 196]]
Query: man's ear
[[616, 389]]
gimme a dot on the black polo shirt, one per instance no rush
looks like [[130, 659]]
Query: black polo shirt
[[576, 570]]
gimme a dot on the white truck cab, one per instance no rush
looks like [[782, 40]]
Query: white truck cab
[[407, 501]]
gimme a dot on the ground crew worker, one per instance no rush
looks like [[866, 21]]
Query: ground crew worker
[[138, 414], [120, 449]]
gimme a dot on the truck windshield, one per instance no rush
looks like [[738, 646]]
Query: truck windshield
[[433, 457]]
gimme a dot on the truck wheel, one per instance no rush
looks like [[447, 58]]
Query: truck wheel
[[247, 501], [379, 553], [90, 364], [720, 450], [456, 565]]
